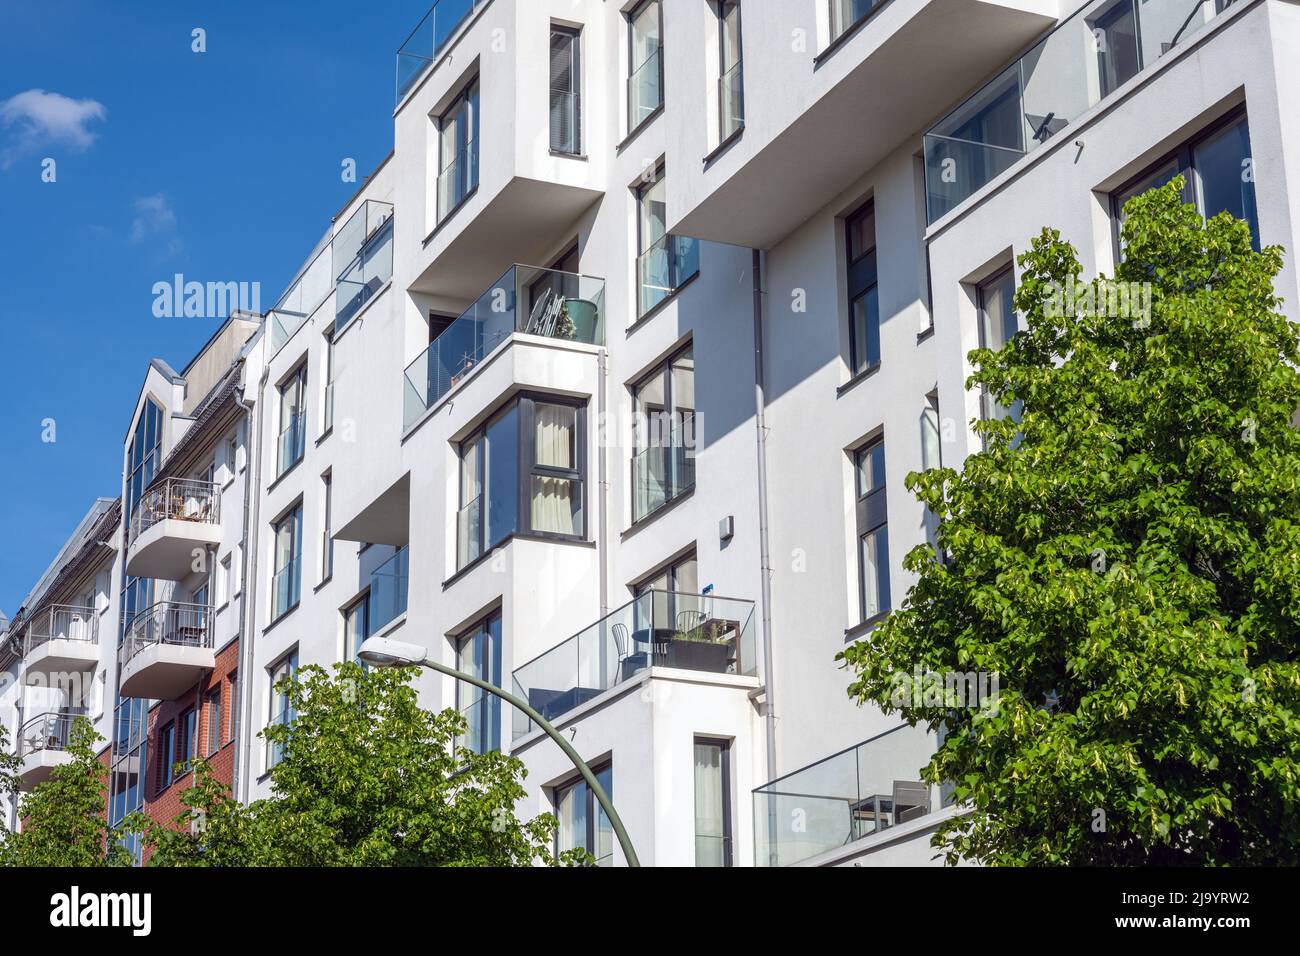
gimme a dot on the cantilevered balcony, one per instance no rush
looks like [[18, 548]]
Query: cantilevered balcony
[[845, 797], [62, 639], [43, 745], [176, 519], [1073, 68], [166, 649], [527, 299], [697, 632]]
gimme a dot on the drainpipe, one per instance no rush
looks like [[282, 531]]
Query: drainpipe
[[602, 480], [760, 421], [247, 573]]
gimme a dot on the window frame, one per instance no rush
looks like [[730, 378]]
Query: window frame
[[591, 809], [488, 660], [633, 66], [359, 606], [728, 837], [294, 515], [469, 98], [286, 665], [663, 368], [871, 517], [212, 702], [574, 35], [861, 280], [167, 750], [720, 10]]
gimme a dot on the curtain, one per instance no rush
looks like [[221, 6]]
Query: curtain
[[708, 805], [554, 499]]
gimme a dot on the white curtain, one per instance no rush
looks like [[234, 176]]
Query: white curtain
[[553, 498], [708, 805]]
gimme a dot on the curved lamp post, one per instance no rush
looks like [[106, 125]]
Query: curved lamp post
[[386, 652]]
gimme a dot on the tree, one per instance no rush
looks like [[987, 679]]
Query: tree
[[1126, 558], [367, 778], [9, 764], [64, 822]]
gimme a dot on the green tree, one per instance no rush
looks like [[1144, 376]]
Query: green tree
[[64, 821], [1126, 558], [367, 778], [9, 764]]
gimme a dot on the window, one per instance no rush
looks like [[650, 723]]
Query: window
[[864, 298], [846, 14], [1115, 34], [873, 534], [478, 653], [327, 404], [548, 437], [665, 262], [645, 82], [282, 712], [583, 824], [287, 583], [664, 439], [293, 396], [1218, 171], [167, 755], [566, 91], [144, 453], [226, 578], [388, 590], [232, 457], [356, 627], [214, 720], [669, 598], [931, 457], [458, 151], [712, 802], [189, 736], [731, 87], [998, 326], [233, 733], [327, 531]]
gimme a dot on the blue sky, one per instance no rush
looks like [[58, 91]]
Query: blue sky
[[223, 165]]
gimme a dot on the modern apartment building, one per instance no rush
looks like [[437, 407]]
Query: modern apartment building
[[604, 386]]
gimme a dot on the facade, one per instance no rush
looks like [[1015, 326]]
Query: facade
[[605, 384]]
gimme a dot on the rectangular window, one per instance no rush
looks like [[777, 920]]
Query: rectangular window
[[327, 405], [327, 529], [566, 91], [556, 488], [845, 14], [665, 262], [293, 416], [284, 673], [214, 721], [873, 531], [582, 823], [167, 755], [232, 458], [931, 457], [286, 586], [645, 82], [356, 627], [731, 87], [664, 439], [489, 486], [670, 599], [712, 802], [998, 326], [388, 590], [1218, 173], [864, 298], [233, 733], [458, 151], [478, 653], [1115, 33], [189, 737], [227, 576]]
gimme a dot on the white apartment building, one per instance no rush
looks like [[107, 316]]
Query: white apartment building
[[605, 384]]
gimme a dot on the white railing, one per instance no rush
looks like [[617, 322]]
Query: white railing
[[62, 622], [167, 622], [177, 499]]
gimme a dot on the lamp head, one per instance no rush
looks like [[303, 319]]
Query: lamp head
[[386, 652]]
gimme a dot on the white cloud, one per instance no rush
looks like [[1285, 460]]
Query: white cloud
[[36, 120], [153, 215]]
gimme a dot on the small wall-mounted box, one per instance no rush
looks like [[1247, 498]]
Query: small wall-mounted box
[[727, 528]]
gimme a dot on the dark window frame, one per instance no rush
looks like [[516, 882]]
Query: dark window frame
[[871, 516], [720, 9], [592, 809], [664, 368], [470, 97], [575, 44], [489, 653], [167, 751], [212, 700], [632, 66], [862, 278], [728, 837]]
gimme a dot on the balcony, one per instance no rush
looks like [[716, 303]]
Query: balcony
[[658, 629], [166, 649], [429, 39], [1073, 68], [176, 518], [544, 302], [664, 268], [388, 585], [62, 639], [849, 795], [43, 745]]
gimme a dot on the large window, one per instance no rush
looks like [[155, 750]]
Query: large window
[[293, 419], [731, 86], [189, 737], [583, 824], [283, 674], [863, 294], [167, 756], [287, 582], [664, 262], [873, 530], [998, 326], [712, 802], [670, 597], [458, 151], [664, 439], [524, 471], [1218, 173], [327, 529], [214, 720], [645, 82], [478, 653], [356, 627], [566, 91]]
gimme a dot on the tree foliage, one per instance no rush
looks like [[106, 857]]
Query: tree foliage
[[1126, 558], [367, 778]]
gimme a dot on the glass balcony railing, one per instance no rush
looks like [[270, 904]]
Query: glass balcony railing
[[291, 443], [558, 305], [388, 584], [663, 470], [176, 499], [62, 622], [300, 301], [565, 117], [731, 102], [429, 38], [167, 622], [664, 268], [645, 90], [365, 244], [697, 632], [1068, 72], [286, 588], [457, 179], [845, 797]]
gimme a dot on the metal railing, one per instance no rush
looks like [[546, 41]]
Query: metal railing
[[645, 90], [48, 731], [545, 302], [177, 499], [1080, 62], [429, 38], [844, 797], [698, 632], [168, 622], [664, 267], [62, 622], [664, 469]]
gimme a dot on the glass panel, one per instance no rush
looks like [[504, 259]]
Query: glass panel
[[556, 435], [710, 795], [556, 505], [1223, 175], [871, 469], [866, 330], [873, 557], [388, 586], [429, 39], [564, 92], [502, 464], [645, 85]]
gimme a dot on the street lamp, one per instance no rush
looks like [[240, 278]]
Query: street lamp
[[386, 652]]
